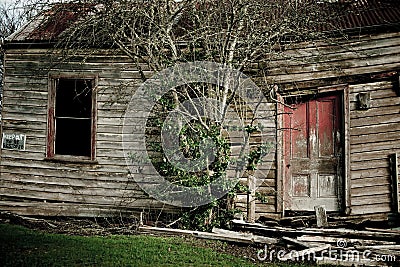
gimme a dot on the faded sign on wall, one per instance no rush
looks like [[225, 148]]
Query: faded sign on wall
[[13, 141]]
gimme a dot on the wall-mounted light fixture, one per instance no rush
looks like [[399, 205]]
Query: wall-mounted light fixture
[[364, 101]]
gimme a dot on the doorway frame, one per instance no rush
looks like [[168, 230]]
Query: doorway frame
[[282, 196]]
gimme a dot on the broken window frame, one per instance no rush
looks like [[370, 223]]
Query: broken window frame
[[51, 118]]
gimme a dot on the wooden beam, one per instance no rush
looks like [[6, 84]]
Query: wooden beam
[[347, 152], [394, 171], [396, 85], [349, 241], [390, 247], [251, 199], [296, 242], [244, 236], [348, 233], [280, 207], [393, 231], [349, 262], [165, 231], [217, 234], [320, 214]]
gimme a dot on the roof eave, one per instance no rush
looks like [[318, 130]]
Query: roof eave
[[28, 44]]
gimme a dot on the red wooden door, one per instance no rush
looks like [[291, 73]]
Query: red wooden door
[[312, 151]]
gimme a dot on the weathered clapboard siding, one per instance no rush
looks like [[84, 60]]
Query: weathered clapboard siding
[[68, 209], [27, 180], [66, 188], [265, 174], [27, 177], [334, 61], [374, 133], [267, 189], [367, 136]]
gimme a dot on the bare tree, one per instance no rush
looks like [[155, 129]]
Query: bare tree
[[231, 32], [13, 14], [234, 33]]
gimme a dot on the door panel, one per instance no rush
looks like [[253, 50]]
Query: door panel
[[299, 133], [327, 185], [326, 126], [301, 185], [313, 153]]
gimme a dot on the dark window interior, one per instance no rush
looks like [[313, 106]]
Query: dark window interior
[[73, 117]]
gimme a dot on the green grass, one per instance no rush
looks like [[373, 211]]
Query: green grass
[[20, 246], [23, 247]]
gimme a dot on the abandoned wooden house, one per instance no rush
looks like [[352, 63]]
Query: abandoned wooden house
[[347, 162]]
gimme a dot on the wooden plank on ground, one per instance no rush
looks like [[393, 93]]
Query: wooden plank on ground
[[296, 242], [349, 262], [322, 219], [393, 231], [252, 237], [221, 235], [170, 231], [312, 231], [350, 241], [390, 247]]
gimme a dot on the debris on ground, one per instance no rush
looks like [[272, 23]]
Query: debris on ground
[[269, 241]]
